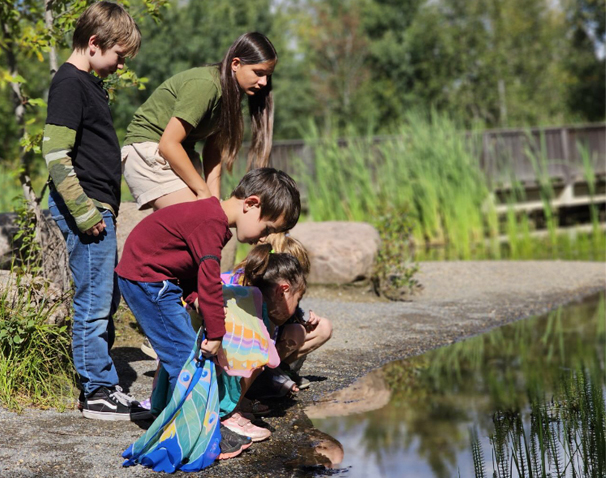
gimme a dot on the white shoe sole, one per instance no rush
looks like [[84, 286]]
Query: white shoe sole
[[108, 416], [255, 439]]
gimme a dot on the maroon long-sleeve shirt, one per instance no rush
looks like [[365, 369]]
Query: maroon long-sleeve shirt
[[182, 242]]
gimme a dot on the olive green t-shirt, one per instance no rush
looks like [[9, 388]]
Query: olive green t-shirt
[[192, 95]]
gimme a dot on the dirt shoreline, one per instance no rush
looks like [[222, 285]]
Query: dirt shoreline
[[460, 299]]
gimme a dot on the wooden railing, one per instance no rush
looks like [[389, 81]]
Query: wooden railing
[[524, 156]]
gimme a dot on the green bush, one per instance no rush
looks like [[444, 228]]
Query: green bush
[[394, 268], [35, 361]]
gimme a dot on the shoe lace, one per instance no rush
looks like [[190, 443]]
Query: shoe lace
[[121, 396]]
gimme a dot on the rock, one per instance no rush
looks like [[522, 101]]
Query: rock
[[129, 217], [340, 252], [54, 263], [8, 229], [34, 296]]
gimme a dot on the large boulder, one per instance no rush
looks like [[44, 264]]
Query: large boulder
[[28, 296], [340, 252], [129, 217], [55, 261]]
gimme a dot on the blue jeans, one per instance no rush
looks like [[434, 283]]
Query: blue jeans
[[96, 296], [158, 308]]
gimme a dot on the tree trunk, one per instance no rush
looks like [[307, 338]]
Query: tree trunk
[[54, 253], [55, 259], [48, 22]]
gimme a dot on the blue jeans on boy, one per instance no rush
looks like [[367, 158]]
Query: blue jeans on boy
[[96, 296], [158, 308]]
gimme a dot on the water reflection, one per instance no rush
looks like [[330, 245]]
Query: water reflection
[[324, 453], [526, 399]]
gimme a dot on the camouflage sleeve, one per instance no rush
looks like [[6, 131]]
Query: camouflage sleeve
[[57, 145]]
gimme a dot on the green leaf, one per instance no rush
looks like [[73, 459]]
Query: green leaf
[[17, 79], [37, 102]]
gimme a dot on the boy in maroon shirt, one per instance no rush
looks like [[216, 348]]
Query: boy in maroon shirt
[[181, 244]]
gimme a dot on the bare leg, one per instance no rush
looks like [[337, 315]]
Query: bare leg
[[291, 340], [246, 382], [313, 340]]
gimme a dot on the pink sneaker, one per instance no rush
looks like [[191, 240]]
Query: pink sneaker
[[242, 426]]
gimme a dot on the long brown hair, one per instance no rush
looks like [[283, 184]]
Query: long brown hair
[[251, 48]]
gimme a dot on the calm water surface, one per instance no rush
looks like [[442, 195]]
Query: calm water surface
[[498, 397]]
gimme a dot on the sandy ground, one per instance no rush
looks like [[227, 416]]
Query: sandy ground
[[459, 300]]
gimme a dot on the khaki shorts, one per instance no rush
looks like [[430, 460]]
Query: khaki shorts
[[148, 175]]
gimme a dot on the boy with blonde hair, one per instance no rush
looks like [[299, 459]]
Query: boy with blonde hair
[[82, 154]]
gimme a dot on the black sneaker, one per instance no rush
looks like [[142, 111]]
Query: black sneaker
[[112, 404], [232, 444], [137, 411]]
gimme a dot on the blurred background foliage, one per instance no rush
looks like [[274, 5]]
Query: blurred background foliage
[[352, 65]]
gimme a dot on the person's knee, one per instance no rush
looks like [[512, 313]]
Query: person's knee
[[293, 337], [298, 335], [324, 330]]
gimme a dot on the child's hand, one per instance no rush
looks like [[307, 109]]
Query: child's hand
[[210, 348], [96, 229], [312, 322]]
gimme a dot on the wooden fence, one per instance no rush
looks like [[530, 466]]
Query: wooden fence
[[526, 156]]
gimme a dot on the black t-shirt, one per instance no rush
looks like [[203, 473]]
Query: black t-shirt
[[77, 100]]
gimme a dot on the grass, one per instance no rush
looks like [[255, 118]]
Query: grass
[[565, 435], [35, 361], [430, 169]]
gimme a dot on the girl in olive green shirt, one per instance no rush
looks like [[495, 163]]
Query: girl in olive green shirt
[[160, 164]]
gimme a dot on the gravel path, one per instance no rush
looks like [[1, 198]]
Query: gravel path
[[460, 299]]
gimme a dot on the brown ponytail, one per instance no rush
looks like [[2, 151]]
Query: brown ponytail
[[264, 269]]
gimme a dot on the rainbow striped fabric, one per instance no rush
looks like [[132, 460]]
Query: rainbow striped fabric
[[246, 344]]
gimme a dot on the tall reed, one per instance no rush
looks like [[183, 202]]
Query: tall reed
[[430, 167], [426, 168]]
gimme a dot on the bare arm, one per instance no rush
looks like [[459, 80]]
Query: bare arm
[[211, 160], [172, 150]]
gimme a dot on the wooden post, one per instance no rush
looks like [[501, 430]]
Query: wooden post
[[566, 156]]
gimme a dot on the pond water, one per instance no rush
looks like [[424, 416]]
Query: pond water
[[526, 399]]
